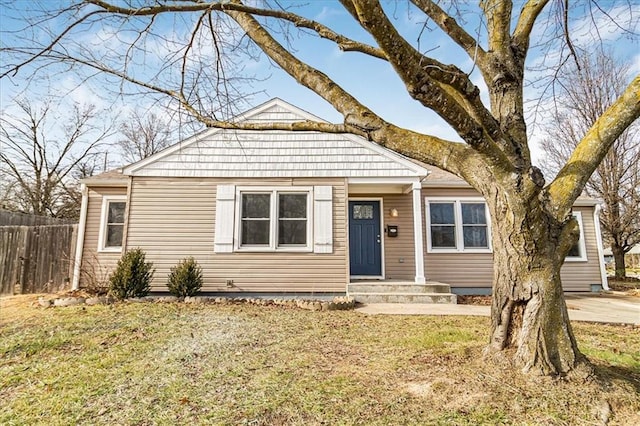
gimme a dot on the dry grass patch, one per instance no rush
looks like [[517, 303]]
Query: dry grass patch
[[243, 364], [629, 285]]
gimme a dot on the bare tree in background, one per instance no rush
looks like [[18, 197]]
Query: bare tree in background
[[532, 225], [7, 186], [41, 150], [144, 135], [585, 94]]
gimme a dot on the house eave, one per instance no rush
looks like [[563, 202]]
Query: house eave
[[400, 180], [105, 182], [586, 202], [461, 184]]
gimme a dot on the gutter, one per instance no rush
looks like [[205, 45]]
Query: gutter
[[596, 224], [105, 182], [80, 241]]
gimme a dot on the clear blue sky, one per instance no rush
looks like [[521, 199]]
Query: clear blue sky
[[372, 81]]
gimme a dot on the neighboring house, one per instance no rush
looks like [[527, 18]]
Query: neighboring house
[[632, 257], [275, 212]]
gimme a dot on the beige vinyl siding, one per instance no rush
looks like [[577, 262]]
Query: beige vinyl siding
[[460, 269], [399, 254], [578, 276], [449, 192], [96, 266], [476, 269], [455, 269], [174, 218]]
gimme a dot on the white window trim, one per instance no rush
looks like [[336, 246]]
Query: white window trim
[[102, 235], [581, 242], [273, 218], [457, 201]]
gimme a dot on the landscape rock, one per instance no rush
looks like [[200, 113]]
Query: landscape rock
[[197, 300], [99, 300], [342, 303], [69, 301], [167, 299], [45, 302], [338, 303]]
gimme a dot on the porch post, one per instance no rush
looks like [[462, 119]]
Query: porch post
[[417, 233]]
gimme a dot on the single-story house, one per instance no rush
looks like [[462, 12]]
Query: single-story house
[[279, 212]]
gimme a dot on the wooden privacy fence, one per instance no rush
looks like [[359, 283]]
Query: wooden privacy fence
[[8, 218], [36, 259]]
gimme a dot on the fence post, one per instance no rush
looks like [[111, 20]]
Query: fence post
[[24, 261]]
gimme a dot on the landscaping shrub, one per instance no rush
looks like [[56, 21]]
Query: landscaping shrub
[[185, 278], [132, 276]]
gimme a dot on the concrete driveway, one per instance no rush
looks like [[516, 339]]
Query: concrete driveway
[[616, 308], [604, 307]]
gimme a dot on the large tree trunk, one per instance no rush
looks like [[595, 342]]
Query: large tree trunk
[[528, 312], [619, 260]]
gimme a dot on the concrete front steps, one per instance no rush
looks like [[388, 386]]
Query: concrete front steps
[[373, 291]]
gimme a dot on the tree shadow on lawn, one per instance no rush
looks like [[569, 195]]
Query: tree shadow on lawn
[[606, 374]]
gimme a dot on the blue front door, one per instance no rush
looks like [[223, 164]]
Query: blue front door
[[364, 238]]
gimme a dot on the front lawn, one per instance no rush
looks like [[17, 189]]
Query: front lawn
[[244, 364], [629, 285]]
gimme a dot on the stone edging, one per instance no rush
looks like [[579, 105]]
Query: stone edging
[[336, 304]]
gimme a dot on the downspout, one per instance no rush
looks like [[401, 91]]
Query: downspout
[[125, 228], [80, 241], [596, 224]]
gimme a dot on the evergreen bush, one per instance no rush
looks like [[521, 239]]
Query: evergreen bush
[[132, 276], [185, 278]]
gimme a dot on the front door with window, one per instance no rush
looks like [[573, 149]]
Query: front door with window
[[365, 250]]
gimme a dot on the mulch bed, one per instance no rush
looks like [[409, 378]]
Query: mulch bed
[[474, 300]]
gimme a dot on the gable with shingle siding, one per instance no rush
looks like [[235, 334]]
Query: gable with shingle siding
[[225, 153], [275, 154]]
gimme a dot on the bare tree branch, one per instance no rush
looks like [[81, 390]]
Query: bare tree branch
[[444, 89], [358, 119], [498, 16], [585, 94], [345, 43], [524, 26], [40, 158], [144, 135], [594, 146], [14, 70], [456, 32]]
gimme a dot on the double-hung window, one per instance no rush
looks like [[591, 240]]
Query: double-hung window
[[456, 225], [578, 252], [292, 219], [275, 220], [112, 223], [256, 222]]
